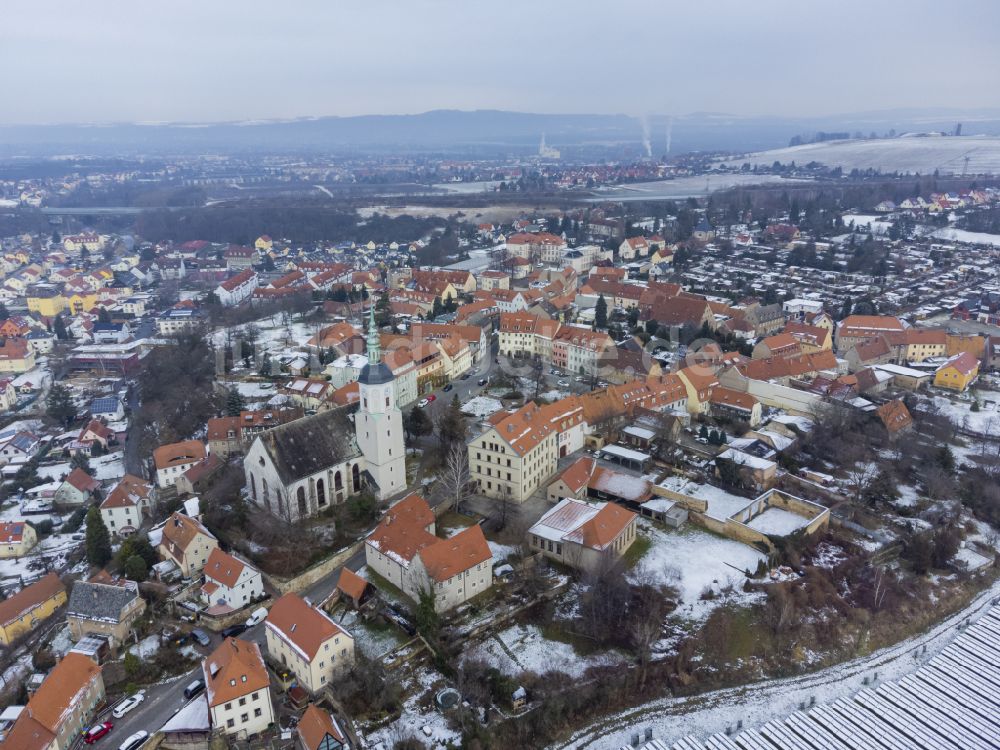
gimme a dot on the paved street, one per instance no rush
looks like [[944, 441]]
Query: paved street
[[162, 702]]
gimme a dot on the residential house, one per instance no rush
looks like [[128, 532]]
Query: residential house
[[61, 708], [104, 610], [76, 489], [107, 409], [895, 417], [238, 689], [126, 505], [736, 406], [404, 550], [187, 543], [32, 605], [17, 538], [319, 730], [174, 459], [238, 288], [305, 640], [855, 329], [230, 583], [583, 535], [16, 355], [957, 373]]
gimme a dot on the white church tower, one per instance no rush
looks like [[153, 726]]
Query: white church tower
[[379, 422]]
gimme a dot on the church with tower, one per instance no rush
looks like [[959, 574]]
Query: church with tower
[[298, 469]]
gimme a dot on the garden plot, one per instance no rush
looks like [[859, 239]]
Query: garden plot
[[694, 562], [427, 725], [986, 421], [523, 648], [55, 548], [373, 639]]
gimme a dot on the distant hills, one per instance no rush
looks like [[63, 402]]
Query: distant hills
[[484, 133]]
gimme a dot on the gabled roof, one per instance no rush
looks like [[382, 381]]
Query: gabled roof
[[894, 415], [30, 597], [310, 444], [449, 557], [82, 481], [11, 532], [179, 454], [351, 584], [314, 727], [224, 568], [178, 533], [964, 362], [402, 532], [593, 525], [130, 492], [577, 474], [70, 677], [99, 601], [305, 627], [234, 669]]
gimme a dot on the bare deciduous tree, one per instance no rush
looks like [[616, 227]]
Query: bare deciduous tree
[[456, 478]]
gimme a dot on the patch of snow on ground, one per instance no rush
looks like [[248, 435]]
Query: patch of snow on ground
[[908, 496], [373, 641], [691, 560], [777, 522], [970, 559], [756, 704], [502, 551], [482, 406], [522, 648], [429, 727], [109, 467], [147, 647]]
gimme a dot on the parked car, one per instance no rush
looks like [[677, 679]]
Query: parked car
[[257, 616], [578, 378], [194, 688], [482, 381], [465, 375], [234, 630], [128, 704], [563, 384], [432, 397], [448, 387], [201, 637], [135, 740], [97, 731], [422, 403]]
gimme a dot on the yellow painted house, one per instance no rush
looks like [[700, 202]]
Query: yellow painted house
[[263, 243], [31, 605], [45, 303], [82, 301], [957, 373]]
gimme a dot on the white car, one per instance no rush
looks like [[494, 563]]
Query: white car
[[128, 704], [257, 616], [422, 403], [134, 741], [578, 378], [563, 384]]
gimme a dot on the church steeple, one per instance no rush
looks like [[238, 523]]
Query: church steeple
[[374, 346]]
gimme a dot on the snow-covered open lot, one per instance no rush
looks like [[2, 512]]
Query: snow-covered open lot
[[693, 560], [482, 406], [523, 648]]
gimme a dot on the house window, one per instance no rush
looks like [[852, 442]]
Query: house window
[[243, 701], [256, 712], [230, 723], [229, 706], [244, 718]]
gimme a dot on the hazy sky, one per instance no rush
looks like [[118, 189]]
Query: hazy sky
[[107, 60]]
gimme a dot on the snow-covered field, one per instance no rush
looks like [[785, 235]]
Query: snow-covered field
[[963, 235], [984, 421], [673, 718], [873, 224], [922, 155], [523, 648], [693, 560]]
